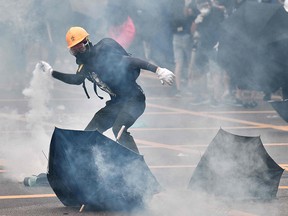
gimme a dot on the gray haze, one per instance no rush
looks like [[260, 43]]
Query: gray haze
[[33, 31]]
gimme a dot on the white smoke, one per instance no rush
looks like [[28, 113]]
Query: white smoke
[[38, 94], [25, 153], [185, 203]]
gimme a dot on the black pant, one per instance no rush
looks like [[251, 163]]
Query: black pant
[[116, 114]]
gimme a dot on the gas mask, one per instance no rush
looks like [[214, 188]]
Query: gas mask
[[81, 51]]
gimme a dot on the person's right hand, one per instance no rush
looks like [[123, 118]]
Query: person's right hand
[[44, 67], [166, 76]]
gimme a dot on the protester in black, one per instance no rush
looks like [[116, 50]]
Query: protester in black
[[114, 71], [206, 30]]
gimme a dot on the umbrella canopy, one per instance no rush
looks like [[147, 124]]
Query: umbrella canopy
[[87, 168], [253, 46], [237, 167], [281, 107]]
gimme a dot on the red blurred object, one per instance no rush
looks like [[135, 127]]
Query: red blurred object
[[124, 34]]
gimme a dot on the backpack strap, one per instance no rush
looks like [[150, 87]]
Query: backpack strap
[[95, 90], [85, 89], [83, 83]]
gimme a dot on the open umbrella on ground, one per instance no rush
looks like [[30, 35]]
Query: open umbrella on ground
[[237, 167], [87, 168], [281, 107], [253, 47]]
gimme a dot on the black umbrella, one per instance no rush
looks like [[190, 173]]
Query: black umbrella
[[281, 107], [237, 167], [253, 46], [87, 168]]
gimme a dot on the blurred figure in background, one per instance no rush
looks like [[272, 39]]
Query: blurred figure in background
[[234, 95], [126, 23], [183, 16], [143, 27], [157, 32], [206, 29], [121, 27]]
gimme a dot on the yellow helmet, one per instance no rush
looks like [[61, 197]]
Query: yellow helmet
[[75, 35]]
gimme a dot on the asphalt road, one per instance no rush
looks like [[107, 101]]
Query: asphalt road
[[171, 134]]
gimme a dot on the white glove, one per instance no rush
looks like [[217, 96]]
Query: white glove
[[44, 67], [285, 4], [165, 76], [199, 19]]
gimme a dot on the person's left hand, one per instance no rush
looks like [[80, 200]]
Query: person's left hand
[[165, 76]]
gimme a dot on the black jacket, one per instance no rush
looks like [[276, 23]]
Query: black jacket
[[110, 68]]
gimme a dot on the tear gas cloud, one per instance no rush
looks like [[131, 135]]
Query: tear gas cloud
[[23, 152], [25, 132]]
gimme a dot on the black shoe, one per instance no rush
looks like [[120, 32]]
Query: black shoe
[[267, 97], [252, 104]]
